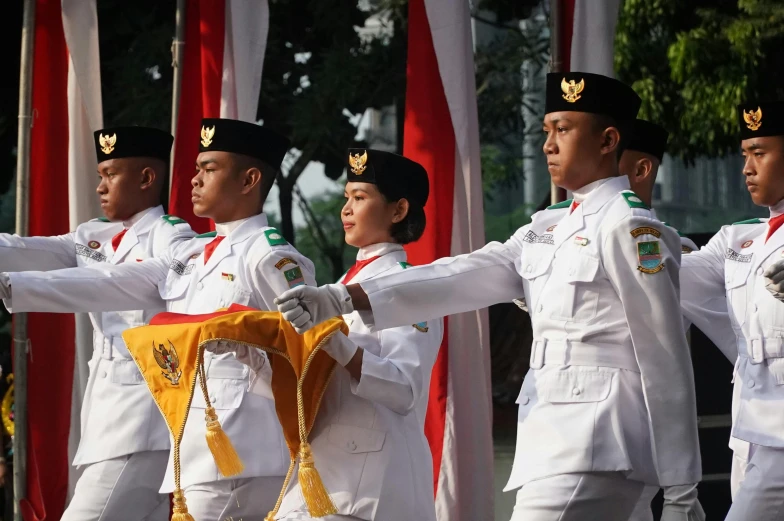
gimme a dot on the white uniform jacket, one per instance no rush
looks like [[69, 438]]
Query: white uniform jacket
[[731, 266], [368, 441], [251, 266], [611, 386], [118, 416]]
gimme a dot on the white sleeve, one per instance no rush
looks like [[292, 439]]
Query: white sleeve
[[102, 287], [168, 235], [37, 253], [447, 286], [279, 270], [397, 378], [651, 304]]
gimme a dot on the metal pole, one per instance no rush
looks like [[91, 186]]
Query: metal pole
[[178, 52], [22, 228], [556, 65]]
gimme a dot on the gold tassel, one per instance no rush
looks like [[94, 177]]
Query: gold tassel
[[223, 452], [316, 498], [180, 509]]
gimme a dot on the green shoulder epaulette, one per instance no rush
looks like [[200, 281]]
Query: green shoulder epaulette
[[274, 238], [103, 219], [748, 221], [404, 265], [562, 204], [206, 235], [172, 219], [633, 200]]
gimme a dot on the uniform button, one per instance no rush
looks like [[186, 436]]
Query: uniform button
[[528, 269], [576, 391], [750, 384], [222, 303], [755, 307], [571, 271], [212, 399], [524, 400], [351, 446], [200, 285], [103, 374]]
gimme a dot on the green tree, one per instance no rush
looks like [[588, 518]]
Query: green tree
[[693, 61]]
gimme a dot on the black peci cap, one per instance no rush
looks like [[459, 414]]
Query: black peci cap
[[761, 119], [648, 138], [396, 177], [241, 137], [119, 142], [594, 93]]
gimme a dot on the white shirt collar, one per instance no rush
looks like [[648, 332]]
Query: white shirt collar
[[136, 218], [582, 193], [377, 250], [227, 228], [777, 209]]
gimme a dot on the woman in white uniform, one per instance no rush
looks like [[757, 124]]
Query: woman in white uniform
[[368, 442]]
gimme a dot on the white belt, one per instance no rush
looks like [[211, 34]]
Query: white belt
[[756, 348], [566, 352], [109, 346]]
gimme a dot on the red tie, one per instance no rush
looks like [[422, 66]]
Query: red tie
[[210, 248], [117, 239], [774, 223], [353, 270], [574, 206]]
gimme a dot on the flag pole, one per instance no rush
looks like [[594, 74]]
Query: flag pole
[[556, 65], [25, 123], [178, 53]]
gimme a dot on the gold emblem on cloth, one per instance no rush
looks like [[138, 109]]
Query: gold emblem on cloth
[[107, 143], [572, 90], [168, 361], [206, 136], [357, 163], [753, 119]]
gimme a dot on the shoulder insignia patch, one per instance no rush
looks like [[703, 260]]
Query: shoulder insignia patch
[[421, 327], [283, 262], [649, 257], [274, 238], [633, 200], [206, 235], [562, 204], [404, 265], [90, 252], [645, 230], [172, 219], [748, 221], [103, 219], [294, 277]]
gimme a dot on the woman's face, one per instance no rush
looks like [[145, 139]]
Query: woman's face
[[367, 216]]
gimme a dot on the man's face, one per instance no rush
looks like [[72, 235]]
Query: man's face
[[573, 148], [217, 186], [121, 187], [764, 169]]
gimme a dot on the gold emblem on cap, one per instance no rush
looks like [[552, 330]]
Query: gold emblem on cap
[[107, 143], [206, 135], [753, 119], [357, 162], [572, 90]]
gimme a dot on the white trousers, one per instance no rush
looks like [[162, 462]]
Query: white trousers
[[245, 499], [642, 510], [758, 486], [121, 489], [592, 496]]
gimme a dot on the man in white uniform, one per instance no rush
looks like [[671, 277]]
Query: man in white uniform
[[124, 442], [608, 405], [742, 261], [245, 262]]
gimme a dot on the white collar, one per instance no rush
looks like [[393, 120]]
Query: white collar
[[582, 193], [777, 209], [136, 218], [225, 229], [377, 250]]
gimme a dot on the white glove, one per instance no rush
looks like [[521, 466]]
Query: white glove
[[247, 355], [5, 286], [520, 303], [306, 306], [341, 348], [774, 280], [681, 504]]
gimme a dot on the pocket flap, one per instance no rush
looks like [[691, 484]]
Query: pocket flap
[[581, 268], [355, 440], [224, 394], [574, 386], [125, 372], [174, 286], [737, 275], [228, 368], [534, 266]]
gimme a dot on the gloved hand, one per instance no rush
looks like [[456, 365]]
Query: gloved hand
[[249, 356], [681, 504], [341, 348], [774, 280], [306, 306], [5, 286]]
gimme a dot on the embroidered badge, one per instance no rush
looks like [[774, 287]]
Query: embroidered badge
[[107, 143], [206, 136], [283, 262], [228, 276], [84, 251], [168, 361], [746, 244], [538, 239], [274, 238], [195, 256], [551, 228], [572, 90], [753, 119], [179, 268], [732, 255], [94, 244], [633, 200], [357, 163], [645, 230], [649, 257], [581, 241], [421, 327], [294, 277]]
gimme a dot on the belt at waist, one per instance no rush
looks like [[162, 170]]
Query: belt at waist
[[565, 352], [109, 347], [759, 349]]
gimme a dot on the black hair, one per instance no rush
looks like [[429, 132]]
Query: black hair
[[268, 172], [604, 121], [411, 227]]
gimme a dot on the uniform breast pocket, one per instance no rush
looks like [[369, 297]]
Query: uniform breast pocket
[[125, 372], [577, 297], [174, 287], [232, 293], [736, 283]]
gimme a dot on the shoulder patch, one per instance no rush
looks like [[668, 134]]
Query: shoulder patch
[[748, 221], [283, 262], [172, 219], [633, 200], [404, 265], [645, 230], [421, 327], [206, 235], [562, 204], [274, 238]]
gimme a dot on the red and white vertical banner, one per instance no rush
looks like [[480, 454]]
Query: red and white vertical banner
[[442, 133], [588, 35], [225, 42], [66, 110]]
